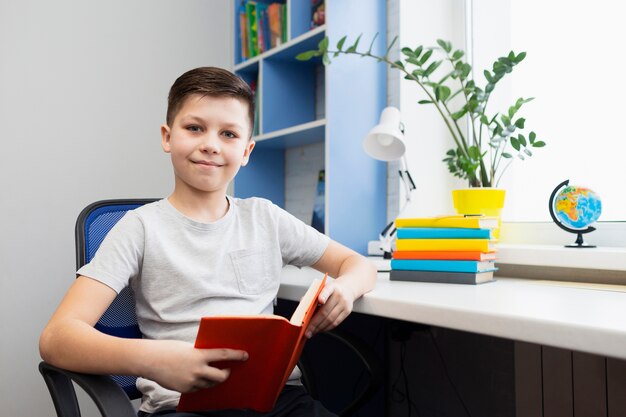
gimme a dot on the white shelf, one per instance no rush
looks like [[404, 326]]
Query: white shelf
[[299, 135], [287, 45]]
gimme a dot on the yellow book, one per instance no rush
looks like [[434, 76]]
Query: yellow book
[[468, 222], [481, 245]]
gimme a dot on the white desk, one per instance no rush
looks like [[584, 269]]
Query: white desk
[[572, 318]]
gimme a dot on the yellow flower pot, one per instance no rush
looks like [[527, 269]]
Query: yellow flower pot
[[487, 201]]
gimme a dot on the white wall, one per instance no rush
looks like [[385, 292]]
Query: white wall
[[83, 90], [422, 22]]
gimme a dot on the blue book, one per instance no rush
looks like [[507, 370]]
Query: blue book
[[443, 233], [443, 266]]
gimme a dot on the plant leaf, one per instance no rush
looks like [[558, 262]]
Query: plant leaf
[[459, 114], [342, 41], [539, 144], [515, 144], [506, 155], [520, 122], [305, 56], [520, 57], [446, 46], [458, 54], [425, 57], [355, 45], [408, 52], [522, 140], [431, 68], [326, 59], [323, 45], [418, 51], [528, 152], [369, 50]]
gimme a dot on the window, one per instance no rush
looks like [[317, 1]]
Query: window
[[573, 69]]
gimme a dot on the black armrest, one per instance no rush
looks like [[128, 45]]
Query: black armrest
[[105, 393]]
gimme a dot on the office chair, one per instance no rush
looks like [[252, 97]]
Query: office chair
[[112, 394]]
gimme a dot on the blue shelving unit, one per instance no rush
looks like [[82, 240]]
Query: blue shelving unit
[[354, 94]]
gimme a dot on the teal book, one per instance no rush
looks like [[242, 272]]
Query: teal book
[[442, 265], [443, 233]]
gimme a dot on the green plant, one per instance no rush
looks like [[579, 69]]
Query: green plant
[[481, 148]]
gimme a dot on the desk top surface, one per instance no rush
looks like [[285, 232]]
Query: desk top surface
[[586, 319]]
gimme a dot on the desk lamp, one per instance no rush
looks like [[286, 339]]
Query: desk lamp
[[385, 142]]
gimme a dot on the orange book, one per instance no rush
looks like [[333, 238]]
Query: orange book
[[452, 255], [274, 345]]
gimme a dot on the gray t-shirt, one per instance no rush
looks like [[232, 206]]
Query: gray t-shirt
[[181, 270]]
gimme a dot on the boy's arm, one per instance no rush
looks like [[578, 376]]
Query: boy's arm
[[355, 276], [71, 342]]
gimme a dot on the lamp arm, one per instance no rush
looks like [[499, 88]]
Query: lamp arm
[[388, 233]]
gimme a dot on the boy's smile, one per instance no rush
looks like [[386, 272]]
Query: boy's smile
[[208, 143]]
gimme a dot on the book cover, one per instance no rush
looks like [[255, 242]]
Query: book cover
[[458, 255], [283, 23], [274, 345], [274, 17], [253, 48], [443, 233], [243, 32], [262, 26], [442, 265], [467, 278], [473, 222], [481, 245]]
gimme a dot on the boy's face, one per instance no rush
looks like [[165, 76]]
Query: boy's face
[[208, 142]]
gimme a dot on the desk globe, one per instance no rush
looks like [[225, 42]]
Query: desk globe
[[574, 209]]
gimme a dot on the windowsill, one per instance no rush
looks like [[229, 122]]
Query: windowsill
[[604, 258], [602, 265]]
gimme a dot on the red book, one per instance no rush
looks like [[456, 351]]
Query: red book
[[452, 255], [274, 345]]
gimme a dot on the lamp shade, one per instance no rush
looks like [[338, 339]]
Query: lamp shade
[[385, 141]]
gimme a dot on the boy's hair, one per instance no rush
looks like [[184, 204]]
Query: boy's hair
[[209, 81]]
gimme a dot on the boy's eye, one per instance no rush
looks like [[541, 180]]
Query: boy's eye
[[194, 128], [229, 134]]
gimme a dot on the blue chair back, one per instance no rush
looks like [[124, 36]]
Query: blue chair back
[[120, 319]]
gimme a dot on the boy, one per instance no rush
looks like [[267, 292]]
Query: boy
[[198, 253]]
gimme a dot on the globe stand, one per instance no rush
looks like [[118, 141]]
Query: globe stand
[[579, 240], [579, 243]]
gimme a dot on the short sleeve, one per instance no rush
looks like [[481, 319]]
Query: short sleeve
[[119, 257], [300, 244]]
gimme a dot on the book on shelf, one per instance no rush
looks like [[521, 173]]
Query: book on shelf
[[261, 26], [443, 233], [318, 13], [472, 222], [442, 265], [458, 255], [274, 15], [468, 278], [480, 245], [274, 345], [253, 45], [243, 32]]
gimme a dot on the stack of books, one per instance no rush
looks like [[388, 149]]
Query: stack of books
[[449, 249]]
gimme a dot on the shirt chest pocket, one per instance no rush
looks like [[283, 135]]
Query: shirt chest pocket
[[253, 269]]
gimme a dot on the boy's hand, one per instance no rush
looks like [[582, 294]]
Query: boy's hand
[[181, 367], [337, 302]]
